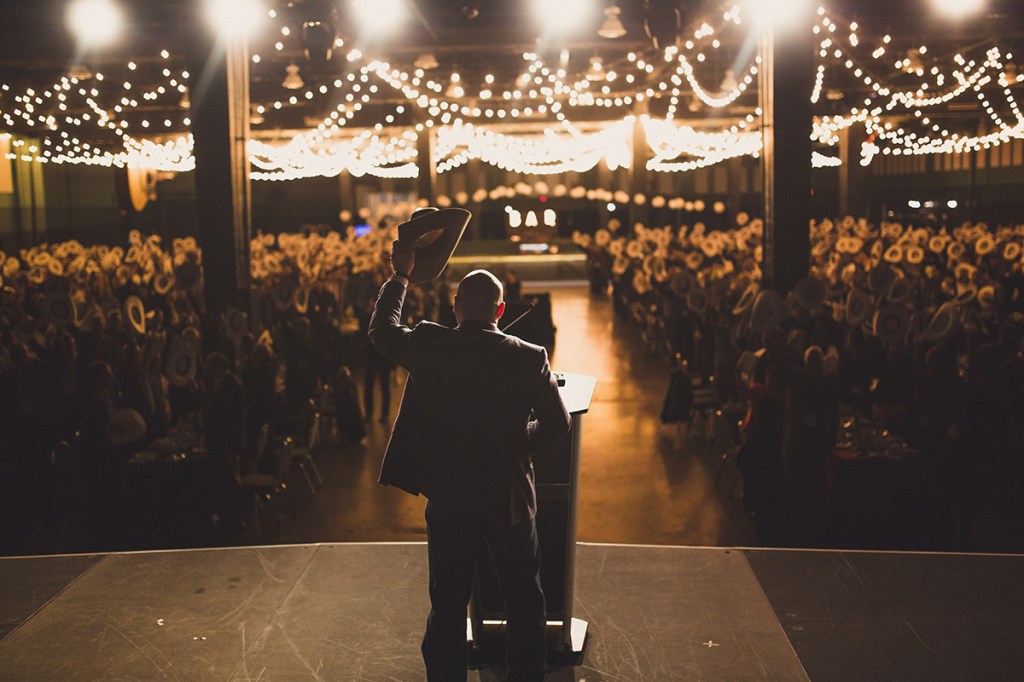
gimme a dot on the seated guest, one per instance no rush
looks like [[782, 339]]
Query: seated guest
[[224, 427], [812, 414], [760, 457]]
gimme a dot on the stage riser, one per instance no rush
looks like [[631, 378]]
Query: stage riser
[[356, 612]]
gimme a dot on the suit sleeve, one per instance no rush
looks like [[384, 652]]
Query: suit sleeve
[[551, 420], [390, 337]]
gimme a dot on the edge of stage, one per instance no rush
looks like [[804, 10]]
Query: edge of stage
[[356, 611]]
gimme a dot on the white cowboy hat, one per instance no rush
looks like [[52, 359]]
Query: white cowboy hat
[[746, 300], [768, 311], [901, 290], [810, 293], [697, 299], [237, 323], [858, 307], [943, 322], [135, 312], [182, 362], [433, 234], [891, 323], [125, 426], [58, 308]]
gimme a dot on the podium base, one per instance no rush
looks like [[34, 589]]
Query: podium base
[[570, 642]]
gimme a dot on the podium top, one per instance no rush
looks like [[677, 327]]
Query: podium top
[[577, 392]]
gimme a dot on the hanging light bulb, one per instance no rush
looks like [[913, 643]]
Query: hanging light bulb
[[596, 72], [612, 26], [184, 102], [728, 82], [293, 81], [455, 89], [255, 116], [426, 61], [912, 63], [80, 72]]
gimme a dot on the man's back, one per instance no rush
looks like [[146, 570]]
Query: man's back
[[464, 431]]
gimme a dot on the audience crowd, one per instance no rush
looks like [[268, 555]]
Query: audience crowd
[[111, 365], [903, 345]]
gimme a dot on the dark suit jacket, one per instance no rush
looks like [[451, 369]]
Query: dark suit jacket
[[476, 404]]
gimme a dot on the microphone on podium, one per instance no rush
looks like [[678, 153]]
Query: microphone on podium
[[526, 312]]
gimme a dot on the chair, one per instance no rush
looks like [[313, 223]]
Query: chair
[[327, 407], [728, 440], [302, 455], [261, 489]]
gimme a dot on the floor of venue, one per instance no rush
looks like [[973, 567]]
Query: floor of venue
[[355, 612], [639, 481]]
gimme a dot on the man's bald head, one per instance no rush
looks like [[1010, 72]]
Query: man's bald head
[[480, 297]]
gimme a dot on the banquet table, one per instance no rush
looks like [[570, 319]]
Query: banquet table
[[877, 488], [165, 492]]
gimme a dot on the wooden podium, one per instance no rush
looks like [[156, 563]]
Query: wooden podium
[[557, 468]]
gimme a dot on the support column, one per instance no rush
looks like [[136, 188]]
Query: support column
[[426, 181], [219, 93], [475, 173], [852, 175], [639, 176], [786, 79], [734, 168]]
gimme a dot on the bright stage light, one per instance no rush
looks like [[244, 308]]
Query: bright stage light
[[958, 8], [95, 22], [380, 16], [565, 16], [234, 19], [780, 14]]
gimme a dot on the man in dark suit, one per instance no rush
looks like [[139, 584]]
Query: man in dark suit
[[476, 404]]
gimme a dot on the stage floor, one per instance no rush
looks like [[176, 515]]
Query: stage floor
[[355, 612]]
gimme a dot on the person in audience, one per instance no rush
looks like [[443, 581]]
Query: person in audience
[[224, 436]]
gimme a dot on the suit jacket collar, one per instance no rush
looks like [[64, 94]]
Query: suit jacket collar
[[478, 325]]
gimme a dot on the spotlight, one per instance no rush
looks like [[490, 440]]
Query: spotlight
[[565, 15], [379, 16], [95, 22], [235, 19], [958, 9], [612, 26], [780, 14], [292, 81]]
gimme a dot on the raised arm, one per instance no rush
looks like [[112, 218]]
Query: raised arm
[[387, 333]]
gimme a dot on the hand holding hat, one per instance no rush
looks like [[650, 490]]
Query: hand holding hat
[[433, 233], [401, 260]]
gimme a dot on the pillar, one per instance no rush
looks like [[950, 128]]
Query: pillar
[[219, 94], [786, 78]]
